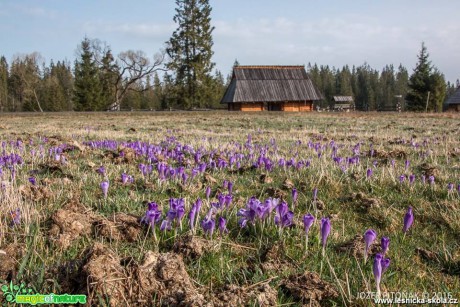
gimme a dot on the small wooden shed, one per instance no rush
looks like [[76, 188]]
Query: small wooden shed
[[453, 103], [271, 88], [343, 103]]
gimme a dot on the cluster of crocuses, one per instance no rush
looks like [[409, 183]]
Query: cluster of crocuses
[[174, 217], [381, 263], [176, 161]]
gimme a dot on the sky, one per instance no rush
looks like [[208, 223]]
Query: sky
[[255, 32]]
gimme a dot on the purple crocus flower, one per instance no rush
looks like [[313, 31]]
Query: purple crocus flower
[[222, 226], [152, 215], [125, 178], [369, 237], [450, 187], [308, 221], [377, 269], [411, 178], [385, 264], [105, 188], [325, 230], [458, 188], [402, 178], [230, 187], [32, 180], [384, 243], [315, 194], [208, 192], [407, 164], [101, 170], [408, 219], [208, 225], [369, 173], [431, 179], [295, 195], [196, 208], [284, 216]]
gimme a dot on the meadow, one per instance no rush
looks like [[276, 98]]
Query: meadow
[[230, 209]]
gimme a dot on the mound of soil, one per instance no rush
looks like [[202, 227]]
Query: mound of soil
[[192, 247], [35, 193], [274, 260], [356, 246], [363, 202], [161, 279], [10, 257], [71, 222], [309, 288], [120, 226], [232, 295]]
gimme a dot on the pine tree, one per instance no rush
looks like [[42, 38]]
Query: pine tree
[[419, 82], [438, 89], [87, 86], [3, 84], [190, 51], [109, 73]]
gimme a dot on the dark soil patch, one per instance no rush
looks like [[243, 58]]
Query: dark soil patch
[[273, 259], [10, 257], [192, 247], [260, 295], [71, 222], [356, 246], [160, 279], [119, 226], [309, 289], [35, 193]]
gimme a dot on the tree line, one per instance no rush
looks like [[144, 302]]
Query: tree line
[[182, 76]]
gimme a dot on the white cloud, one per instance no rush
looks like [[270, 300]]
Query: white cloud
[[335, 42], [137, 30]]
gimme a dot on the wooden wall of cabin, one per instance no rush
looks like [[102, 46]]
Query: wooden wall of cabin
[[252, 107], [454, 108], [297, 106]]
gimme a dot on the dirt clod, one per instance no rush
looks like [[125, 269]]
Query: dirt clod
[[71, 222], [309, 288], [233, 295], [120, 226], [356, 246], [192, 247], [9, 260]]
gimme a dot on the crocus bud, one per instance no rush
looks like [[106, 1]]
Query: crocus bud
[[105, 188], [325, 230], [408, 219], [385, 243], [369, 237]]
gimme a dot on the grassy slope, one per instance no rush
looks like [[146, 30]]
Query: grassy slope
[[437, 218]]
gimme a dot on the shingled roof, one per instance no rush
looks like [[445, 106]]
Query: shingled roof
[[270, 84], [455, 98]]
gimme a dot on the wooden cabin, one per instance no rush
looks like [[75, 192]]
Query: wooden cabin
[[343, 103], [271, 88], [453, 103]]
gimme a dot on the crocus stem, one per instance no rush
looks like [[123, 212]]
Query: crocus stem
[[306, 243], [378, 289], [321, 268]]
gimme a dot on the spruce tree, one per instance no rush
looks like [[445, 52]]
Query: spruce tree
[[3, 84], [190, 51], [87, 86], [419, 82]]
